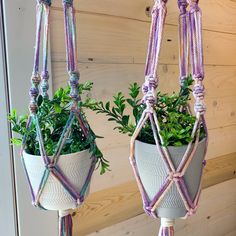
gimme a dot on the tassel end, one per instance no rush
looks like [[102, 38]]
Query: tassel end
[[65, 223], [167, 227]]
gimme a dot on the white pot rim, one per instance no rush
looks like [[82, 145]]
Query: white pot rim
[[183, 146], [63, 155]]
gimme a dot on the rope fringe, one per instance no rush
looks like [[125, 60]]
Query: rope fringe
[[65, 224], [167, 227]]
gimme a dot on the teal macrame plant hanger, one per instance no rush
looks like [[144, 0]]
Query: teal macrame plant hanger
[[51, 166]]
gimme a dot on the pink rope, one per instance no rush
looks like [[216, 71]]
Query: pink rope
[[175, 176]]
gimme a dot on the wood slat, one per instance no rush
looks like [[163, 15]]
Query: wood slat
[[136, 10], [111, 206], [104, 39], [220, 85], [215, 216]]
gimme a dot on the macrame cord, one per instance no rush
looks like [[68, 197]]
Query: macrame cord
[[189, 29], [51, 167]]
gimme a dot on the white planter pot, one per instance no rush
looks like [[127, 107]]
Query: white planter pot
[[153, 173], [75, 167]]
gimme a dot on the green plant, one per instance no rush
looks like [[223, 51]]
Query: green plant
[[175, 121], [53, 115]]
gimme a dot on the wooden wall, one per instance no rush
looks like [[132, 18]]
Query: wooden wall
[[112, 42]]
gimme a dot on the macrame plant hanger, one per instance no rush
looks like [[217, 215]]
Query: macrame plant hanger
[[51, 167], [190, 29]]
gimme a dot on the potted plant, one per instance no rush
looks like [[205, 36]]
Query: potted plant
[[176, 126], [76, 155]]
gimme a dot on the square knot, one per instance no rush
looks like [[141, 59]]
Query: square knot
[[35, 79], [34, 91], [33, 107], [199, 107], [175, 176], [151, 81], [144, 88], [50, 166], [150, 98], [198, 91]]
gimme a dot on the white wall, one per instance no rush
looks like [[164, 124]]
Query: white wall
[[19, 16]]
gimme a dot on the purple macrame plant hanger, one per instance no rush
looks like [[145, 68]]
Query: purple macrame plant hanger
[[51, 166], [190, 30]]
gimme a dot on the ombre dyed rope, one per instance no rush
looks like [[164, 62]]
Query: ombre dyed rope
[[51, 167], [189, 30], [65, 224]]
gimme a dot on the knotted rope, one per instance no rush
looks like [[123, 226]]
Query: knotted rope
[[188, 22], [51, 165]]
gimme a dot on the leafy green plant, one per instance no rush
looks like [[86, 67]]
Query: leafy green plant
[[53, 115], [175, 121]]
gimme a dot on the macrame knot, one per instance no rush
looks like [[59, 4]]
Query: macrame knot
[[199, 76], [34, 91], [198, 91], [35, 80], [33, 107], [44, 84], [50, 166], [199, 107], [175, 176], [181, 80], [149, 98], [46, 2], [151, 82], [182, 4], [144, 88], [147, 210], [74, 78]]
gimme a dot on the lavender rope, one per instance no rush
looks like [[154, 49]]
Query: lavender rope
[[51, 167], [175, 176]]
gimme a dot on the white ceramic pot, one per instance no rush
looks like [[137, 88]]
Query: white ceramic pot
[[153, 173], [75, 167]]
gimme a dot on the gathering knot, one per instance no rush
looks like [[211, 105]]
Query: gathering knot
[[175, 176]]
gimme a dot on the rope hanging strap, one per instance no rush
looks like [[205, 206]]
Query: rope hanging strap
[[51, 166], [175, 175]]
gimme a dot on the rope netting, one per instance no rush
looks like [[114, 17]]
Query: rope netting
[[190, 35], [37, 79]]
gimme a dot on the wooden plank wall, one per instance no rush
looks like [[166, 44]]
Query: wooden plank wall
[[112, 42]]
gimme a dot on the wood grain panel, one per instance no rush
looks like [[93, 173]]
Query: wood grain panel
[[105, 39], [136, 10], [120, 203], [209, 220]]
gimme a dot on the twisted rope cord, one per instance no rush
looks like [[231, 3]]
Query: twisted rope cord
[[175, 176], [43, 9], [183, 40]]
